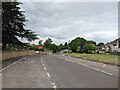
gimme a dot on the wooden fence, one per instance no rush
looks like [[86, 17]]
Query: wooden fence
[[13, 54]]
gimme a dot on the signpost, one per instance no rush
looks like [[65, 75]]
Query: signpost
[[69, 47], [40, 47]]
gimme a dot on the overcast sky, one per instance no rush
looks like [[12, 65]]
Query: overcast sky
[[63, 21]]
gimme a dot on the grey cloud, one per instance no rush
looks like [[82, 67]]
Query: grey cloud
[[66, 20]]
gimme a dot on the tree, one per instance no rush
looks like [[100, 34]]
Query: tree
[[60, 47], [75, 43], [88, 48], [78, 49], [40, 42], [13, 22], [65, 45], [100, 44], [54, 48], [47, 43], [91, 42]]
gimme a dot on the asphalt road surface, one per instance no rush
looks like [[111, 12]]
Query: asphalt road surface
[[58, 71]]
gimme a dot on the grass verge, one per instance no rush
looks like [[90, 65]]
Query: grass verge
[[105, 58]]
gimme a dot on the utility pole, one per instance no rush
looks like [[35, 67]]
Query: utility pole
[[69, 47]]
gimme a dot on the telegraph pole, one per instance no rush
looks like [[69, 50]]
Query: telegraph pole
[[69, 47]]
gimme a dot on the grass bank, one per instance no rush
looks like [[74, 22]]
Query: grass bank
[[105, 58]]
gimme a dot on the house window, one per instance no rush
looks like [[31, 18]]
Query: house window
[[119, 44], [114, 44]]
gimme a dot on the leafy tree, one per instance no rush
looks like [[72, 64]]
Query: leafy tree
[[100, 44], [54, 48], [88, 48], [91, 42], [60, 47], [47, 43], [35, 47], [40, 42], [78, 49], [13, 22], [77, 42], [65, 44]]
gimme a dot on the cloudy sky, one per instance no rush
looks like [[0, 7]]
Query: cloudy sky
[[63, 21]]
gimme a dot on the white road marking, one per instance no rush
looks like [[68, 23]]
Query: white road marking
[[95, 69], [107, 72], [43, 65], [41, 60], [48, 75], [91, 67], [32, 62], [54, 86], [45, 68], [84, 60], [104, 65], [11, 64], [83, 65]]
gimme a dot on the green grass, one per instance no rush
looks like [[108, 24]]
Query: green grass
[[106, 58]]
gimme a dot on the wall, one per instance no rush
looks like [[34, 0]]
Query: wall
[[12, 54]]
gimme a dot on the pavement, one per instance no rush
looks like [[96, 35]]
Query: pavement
[[58, 71]]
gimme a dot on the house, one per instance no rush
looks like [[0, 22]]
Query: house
[[103, 49], [111, 47], [115, 46]]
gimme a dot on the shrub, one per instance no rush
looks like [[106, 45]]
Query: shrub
[[89, 48]]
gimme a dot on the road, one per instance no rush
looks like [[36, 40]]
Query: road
[[58, 71]]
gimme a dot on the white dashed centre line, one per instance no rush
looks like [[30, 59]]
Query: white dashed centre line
[[45, 68], [48, 75], [53, 84]]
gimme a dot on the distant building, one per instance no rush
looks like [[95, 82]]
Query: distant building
[[115, 46], [103, 49]]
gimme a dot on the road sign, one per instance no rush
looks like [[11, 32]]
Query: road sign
[[40, 47]]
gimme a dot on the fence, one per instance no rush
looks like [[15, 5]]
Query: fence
[[13, 54]]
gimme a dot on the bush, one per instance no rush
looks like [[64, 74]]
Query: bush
[[54, 48], [89, 48]]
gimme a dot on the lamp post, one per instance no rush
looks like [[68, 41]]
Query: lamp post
[[69, 47]]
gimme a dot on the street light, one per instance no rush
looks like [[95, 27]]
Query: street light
[[69, 47]]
